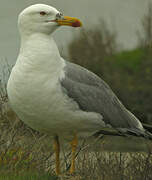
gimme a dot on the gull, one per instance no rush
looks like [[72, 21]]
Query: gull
[[59, 98]]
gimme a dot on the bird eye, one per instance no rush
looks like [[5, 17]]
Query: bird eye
[[42, 13]]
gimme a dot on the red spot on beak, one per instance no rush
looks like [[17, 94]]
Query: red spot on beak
[[76, 24]]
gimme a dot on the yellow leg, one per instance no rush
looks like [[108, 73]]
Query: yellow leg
[[74, 144], [57, 154]]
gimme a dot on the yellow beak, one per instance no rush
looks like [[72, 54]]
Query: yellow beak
[[69, 21]]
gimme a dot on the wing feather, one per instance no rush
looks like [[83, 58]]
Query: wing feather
[[92, 94]]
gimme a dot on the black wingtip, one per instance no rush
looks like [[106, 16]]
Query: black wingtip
[[124, 132]]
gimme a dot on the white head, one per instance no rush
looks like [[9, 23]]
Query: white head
[[41, 18]]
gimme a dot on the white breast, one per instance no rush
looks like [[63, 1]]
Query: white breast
[[37, 97]]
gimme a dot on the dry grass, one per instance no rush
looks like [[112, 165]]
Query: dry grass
[[24, 150]]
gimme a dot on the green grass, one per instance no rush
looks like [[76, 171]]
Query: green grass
[[27, 177]]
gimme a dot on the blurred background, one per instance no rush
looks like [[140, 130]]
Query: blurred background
[[121, 16]]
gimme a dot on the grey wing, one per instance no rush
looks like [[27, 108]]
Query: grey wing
[[92, 94]]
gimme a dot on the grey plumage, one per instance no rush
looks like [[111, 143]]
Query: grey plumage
[[92, 94]]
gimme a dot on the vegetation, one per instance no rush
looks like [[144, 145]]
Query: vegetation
[[27, 177], [26, 154]]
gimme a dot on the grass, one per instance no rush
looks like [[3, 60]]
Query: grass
[[27, 176]]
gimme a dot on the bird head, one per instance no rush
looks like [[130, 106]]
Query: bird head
[[42, 18]]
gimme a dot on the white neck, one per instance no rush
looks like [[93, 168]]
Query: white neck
[[39, 52]]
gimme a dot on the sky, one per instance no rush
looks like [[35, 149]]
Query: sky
[[122, 16]]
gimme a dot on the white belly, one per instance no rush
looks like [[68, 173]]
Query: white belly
[[41, 104]]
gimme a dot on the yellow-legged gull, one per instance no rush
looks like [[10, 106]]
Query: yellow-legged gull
[[57, 97]]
